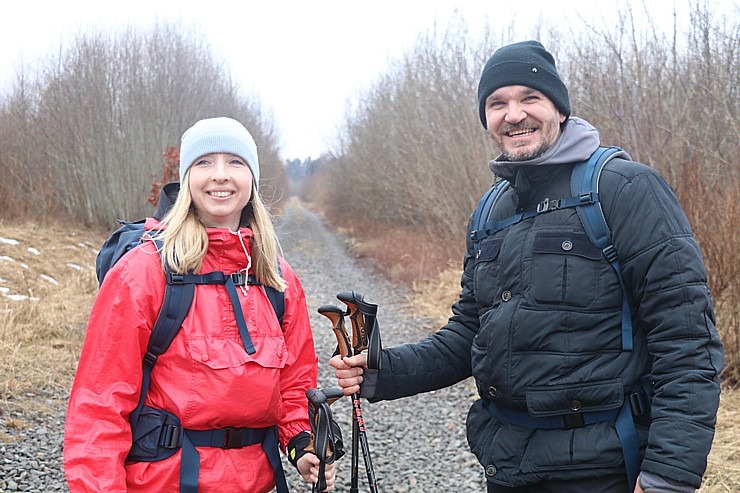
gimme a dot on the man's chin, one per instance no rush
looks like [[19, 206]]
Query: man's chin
[[523, 154]]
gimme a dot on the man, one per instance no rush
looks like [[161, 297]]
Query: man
[[538, 323]]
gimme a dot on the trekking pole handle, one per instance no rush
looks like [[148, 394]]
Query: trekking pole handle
[[336, 315]]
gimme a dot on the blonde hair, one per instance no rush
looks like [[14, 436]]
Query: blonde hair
[[185, 241]]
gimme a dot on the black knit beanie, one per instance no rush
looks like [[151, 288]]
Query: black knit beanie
[[527, 63]]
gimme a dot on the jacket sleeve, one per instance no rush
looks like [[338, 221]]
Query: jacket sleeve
[[300, 371], [106, 386], [437, 361], [664, 271]]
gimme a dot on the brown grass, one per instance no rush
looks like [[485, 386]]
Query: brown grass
[[48, 283]]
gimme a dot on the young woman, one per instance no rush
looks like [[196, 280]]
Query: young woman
[[225, 394]]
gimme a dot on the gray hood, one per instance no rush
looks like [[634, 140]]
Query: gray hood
[[578, 140]]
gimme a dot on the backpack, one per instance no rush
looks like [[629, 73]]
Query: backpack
[[178, 297], [584, 186]]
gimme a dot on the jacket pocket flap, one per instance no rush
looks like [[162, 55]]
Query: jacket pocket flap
[[566, 244], [489, 249], [555, 400], [220, 353]]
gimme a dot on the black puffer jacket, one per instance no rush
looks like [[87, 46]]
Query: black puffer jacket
[[542, 327]]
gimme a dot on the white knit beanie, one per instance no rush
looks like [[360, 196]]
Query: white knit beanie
[[218, 135]]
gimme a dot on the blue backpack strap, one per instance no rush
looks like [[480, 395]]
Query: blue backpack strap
[[585, 187], [483, 211]]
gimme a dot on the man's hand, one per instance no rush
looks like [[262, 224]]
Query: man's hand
[[308, 467], [349, 372]]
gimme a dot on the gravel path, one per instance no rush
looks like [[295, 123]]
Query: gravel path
[[417, 444]]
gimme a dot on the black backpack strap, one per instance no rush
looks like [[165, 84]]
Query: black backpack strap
[[277, 298], [177, 300], [585, 186]]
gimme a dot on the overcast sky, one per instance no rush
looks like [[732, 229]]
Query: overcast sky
[[302, 58]]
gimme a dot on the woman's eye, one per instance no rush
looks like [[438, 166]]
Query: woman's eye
[[238, 162], [201, 162]]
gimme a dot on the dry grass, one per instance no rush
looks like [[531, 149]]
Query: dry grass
[[46, 290]]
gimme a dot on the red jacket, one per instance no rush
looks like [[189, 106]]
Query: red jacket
[[206, 378]]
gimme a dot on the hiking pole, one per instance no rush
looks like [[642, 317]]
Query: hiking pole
[[365, 335], [365, 331], [326, 437], [336, 315]]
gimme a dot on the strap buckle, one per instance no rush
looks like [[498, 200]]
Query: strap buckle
[[239, 278], [173, 278], [639, 403], [150, 358], [170, 436], [233, 438], [587, 198], [610, 253], [573, 420], [548, 205]]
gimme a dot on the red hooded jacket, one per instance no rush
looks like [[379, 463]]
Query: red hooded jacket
[[206, 378]]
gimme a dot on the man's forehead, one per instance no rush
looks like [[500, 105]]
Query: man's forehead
[[508, 90]]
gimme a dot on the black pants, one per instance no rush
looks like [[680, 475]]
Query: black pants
[[606, 484]]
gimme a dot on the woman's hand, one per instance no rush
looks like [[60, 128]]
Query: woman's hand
[[308, 467]]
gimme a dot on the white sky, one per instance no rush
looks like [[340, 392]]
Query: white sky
[[302, 58]]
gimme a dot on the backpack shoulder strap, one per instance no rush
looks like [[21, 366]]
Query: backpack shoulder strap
[[175, 307], [277, 298], [483, 211], [584, 185]]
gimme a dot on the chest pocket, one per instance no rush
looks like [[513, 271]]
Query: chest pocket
[[221, 353], [566, 269], [487, 264]]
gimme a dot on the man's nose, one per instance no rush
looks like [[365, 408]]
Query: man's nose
[[515, 113]]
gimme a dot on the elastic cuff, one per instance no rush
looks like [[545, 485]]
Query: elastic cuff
[[296, 447]]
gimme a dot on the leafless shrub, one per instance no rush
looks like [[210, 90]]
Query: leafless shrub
[[672, 101], [91, 125]]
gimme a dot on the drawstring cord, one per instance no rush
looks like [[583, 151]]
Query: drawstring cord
[[245, 271]]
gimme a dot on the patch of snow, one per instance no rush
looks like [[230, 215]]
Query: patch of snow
[[50, 279], [74, 266], [20, 297], [33, 250], [6, 258], [8, 241], [4, 289]]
